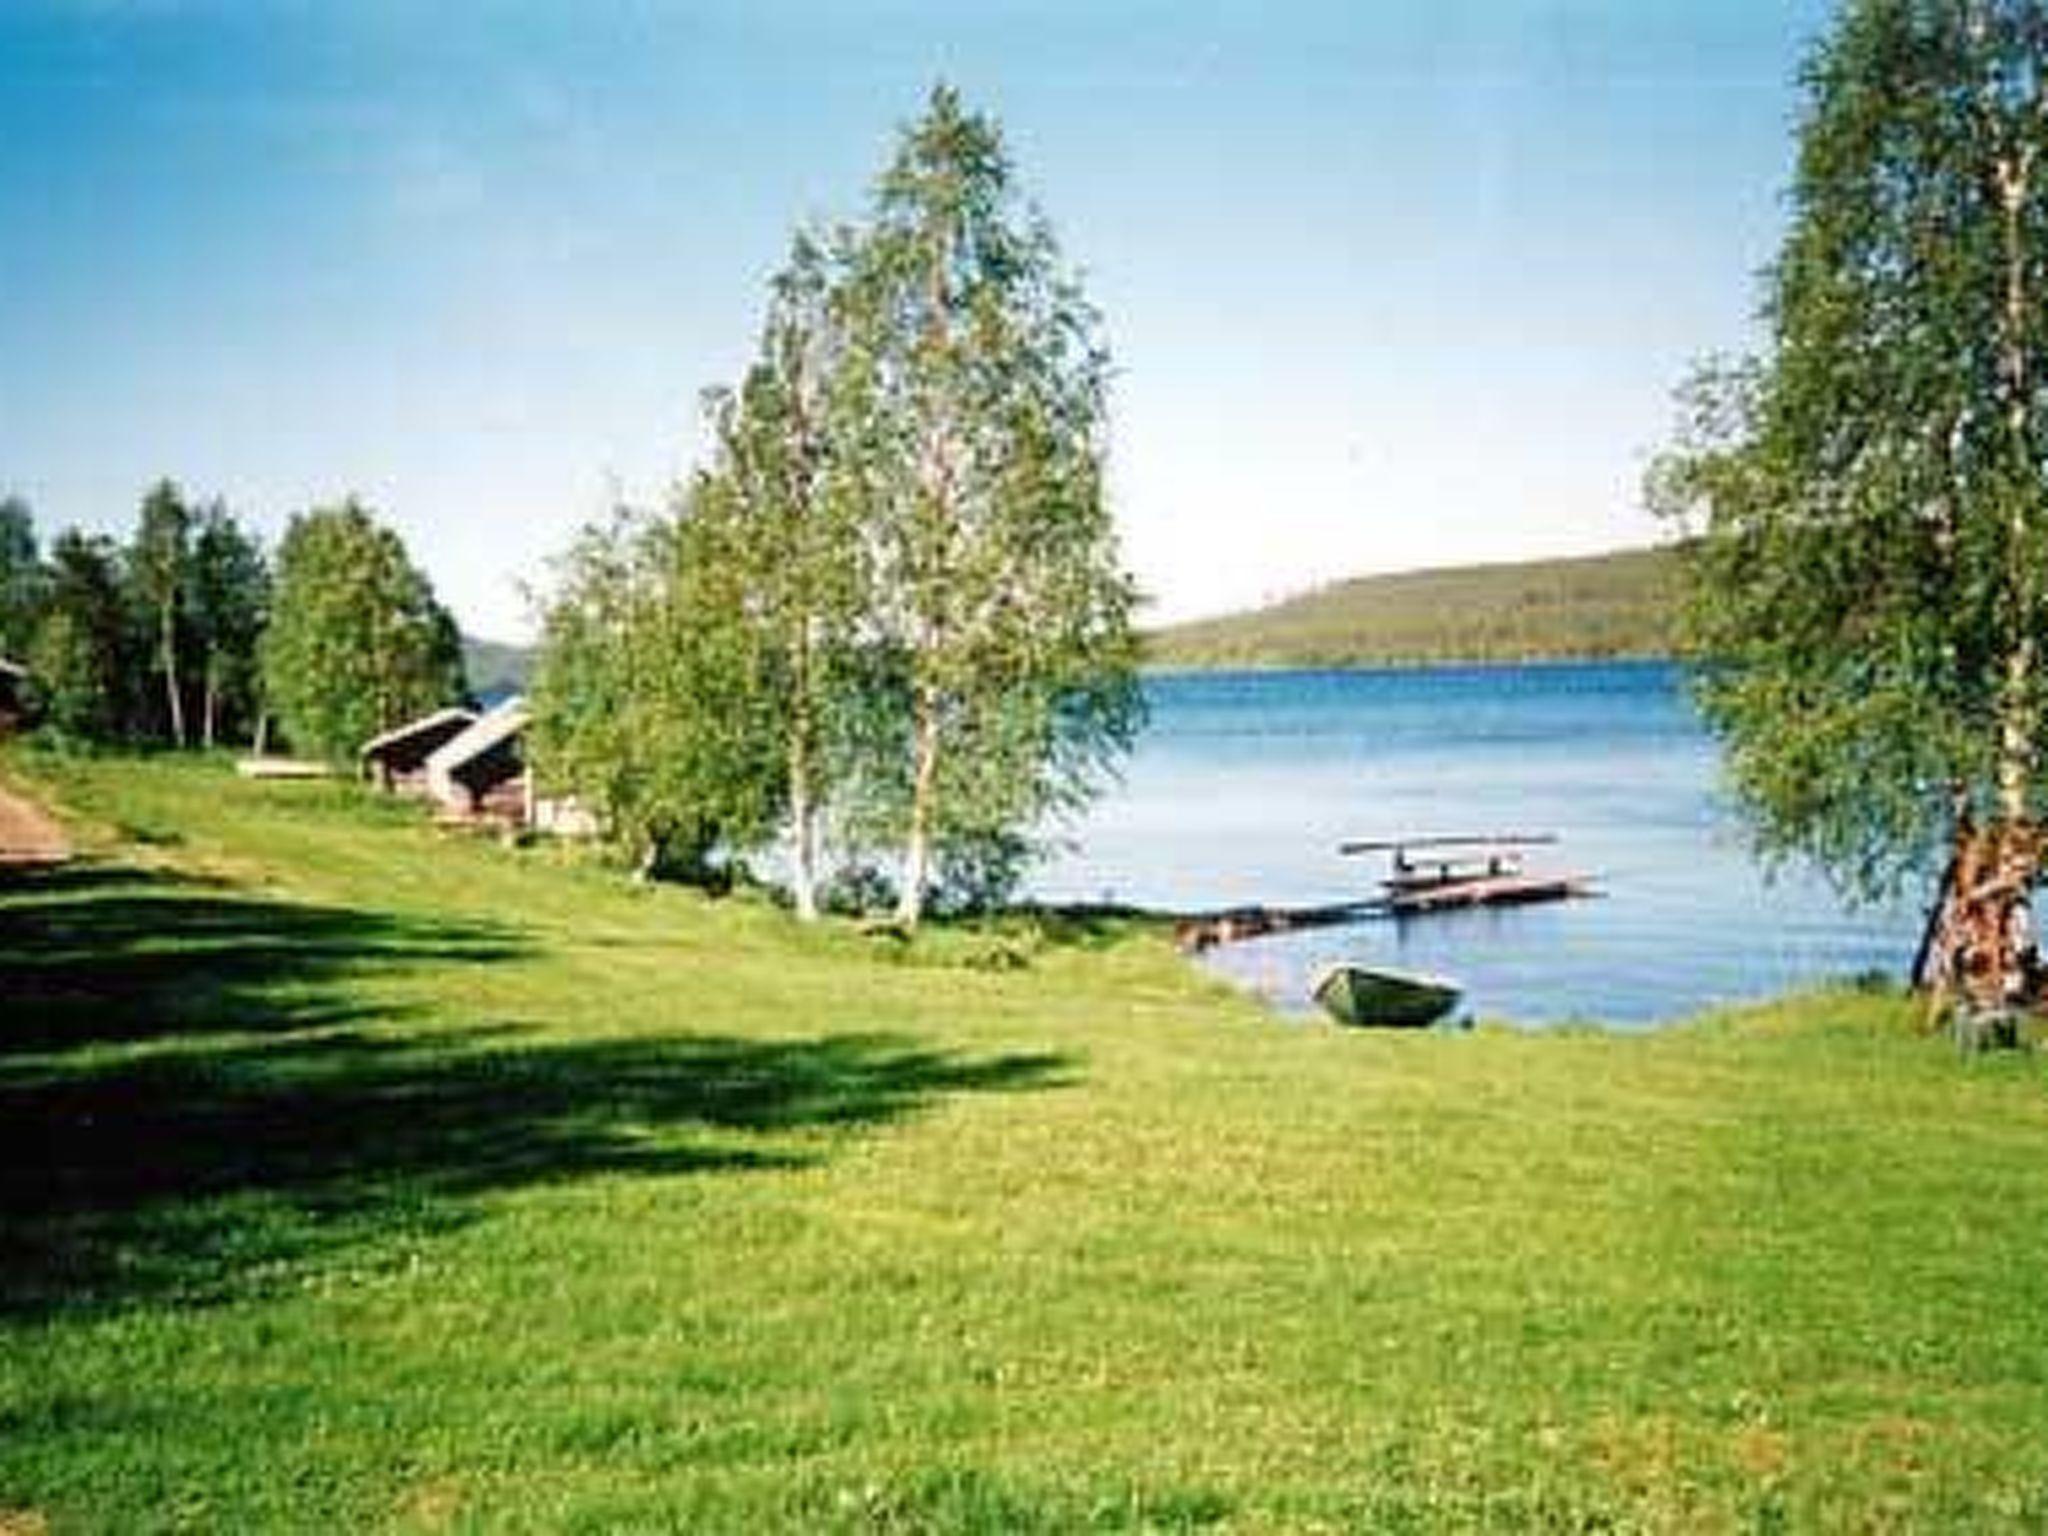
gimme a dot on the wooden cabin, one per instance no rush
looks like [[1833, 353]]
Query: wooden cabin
[[17, 698], [480, 772], [397, 760]]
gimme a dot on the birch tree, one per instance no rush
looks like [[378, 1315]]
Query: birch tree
[[999, 585], [783, 507], [161, 567], [1866, 498], [230, 599], [647, 697]]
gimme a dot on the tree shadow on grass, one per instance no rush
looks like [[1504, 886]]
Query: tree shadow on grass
[[102, 955], [281, 1130]]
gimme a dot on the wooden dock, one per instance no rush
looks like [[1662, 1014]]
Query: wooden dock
[[1486, 891], [1194, 932], [1454, 873], [1442, 874]]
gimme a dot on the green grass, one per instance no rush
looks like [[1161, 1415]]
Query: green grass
[[361, 1177], [1599, 606]]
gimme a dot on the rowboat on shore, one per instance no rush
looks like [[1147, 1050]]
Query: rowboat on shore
[[1366, 997]]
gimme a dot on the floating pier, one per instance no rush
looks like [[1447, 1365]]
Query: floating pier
[[1429, 874], [1441, 874]]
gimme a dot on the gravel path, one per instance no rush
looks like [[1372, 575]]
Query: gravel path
[[27, 836]]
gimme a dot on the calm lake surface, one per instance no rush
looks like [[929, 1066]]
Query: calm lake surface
[[1244, 784]]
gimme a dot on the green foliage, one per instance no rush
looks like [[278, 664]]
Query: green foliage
[[1596, 606], [899, 555], [647, 697], [356, 642], [87, 649], [784, 508], [228, 598], [73, 701], [1866, 499], [21, 578], [983, 380], [132, 642], [160, 573]]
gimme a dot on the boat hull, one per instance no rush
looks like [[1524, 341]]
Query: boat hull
[[1364, 998]]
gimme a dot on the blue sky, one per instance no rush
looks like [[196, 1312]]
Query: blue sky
[[1388, 284]]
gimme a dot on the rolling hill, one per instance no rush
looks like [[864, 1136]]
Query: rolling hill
[[1596, 606], [493, 667]]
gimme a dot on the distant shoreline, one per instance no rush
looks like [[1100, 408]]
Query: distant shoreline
[[1405, 663]]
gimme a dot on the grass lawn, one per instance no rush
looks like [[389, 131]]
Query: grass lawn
[[359, 1176]]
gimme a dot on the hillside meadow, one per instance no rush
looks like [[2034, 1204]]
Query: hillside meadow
[[361, 1176]]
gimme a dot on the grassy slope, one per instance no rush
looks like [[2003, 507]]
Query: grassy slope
[[1605, 605], [360, 1178]]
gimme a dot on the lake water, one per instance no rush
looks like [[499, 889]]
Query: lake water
[[1244, 784]]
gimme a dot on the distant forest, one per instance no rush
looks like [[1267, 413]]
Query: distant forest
[[494, 667], [1598, 606]]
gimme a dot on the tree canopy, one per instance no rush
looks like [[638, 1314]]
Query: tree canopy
[[1869, 542], [895, 586], [357, 642], [783, 506], [87, 647], [131, 642], [1001, 586], [21, 577], [228, 599], [648, 698], [160, 568]]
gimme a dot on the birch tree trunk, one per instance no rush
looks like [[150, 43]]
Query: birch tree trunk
[[167, 646], [917, 845], [212, 700], [2009, 918], [803, 810], [1983, 934], [2014, 170], [936, 475]]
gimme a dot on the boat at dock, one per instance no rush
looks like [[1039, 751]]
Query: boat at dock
[[1365, 997]]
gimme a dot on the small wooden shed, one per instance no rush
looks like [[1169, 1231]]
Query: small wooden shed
[[17, 697], [397, 760], [481, 771]]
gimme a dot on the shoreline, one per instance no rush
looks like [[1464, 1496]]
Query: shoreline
[[1407, 664]]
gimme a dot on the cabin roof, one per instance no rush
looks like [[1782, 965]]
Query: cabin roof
[[482, 734], [438, 721]]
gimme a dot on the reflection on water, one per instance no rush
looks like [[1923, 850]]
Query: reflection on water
[[1245, 783]]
